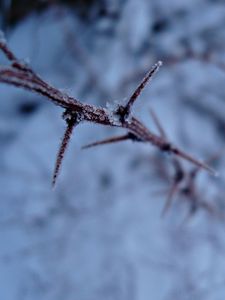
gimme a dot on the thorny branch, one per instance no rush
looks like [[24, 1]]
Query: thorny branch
[[19, 74], [179, 173], [184, 182]]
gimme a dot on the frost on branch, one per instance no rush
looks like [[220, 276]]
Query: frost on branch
[[124, 112], [21, 75], [71, 120]]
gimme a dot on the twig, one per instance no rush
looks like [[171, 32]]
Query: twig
[[71, 122], [115, 139], [20, 75], [158, 124], [124, 111]]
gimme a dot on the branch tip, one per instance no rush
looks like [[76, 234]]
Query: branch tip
[[158, 124], [124, 112], [195, 161], [111, 140], [62, 149]]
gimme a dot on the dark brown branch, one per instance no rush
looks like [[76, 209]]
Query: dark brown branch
[[196, 162], [199, 165], [158, 124], [71, 123], [20, 75], [124, 111], [142, 85], [115, 139], [177, 179], [169, 200], [5, 49]]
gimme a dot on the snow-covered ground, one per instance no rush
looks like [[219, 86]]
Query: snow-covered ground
[[100, 234]]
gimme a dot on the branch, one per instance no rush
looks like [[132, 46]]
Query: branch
[[125, 111], [20, 75], [158, 124], [115, 139], [71, 123], [177, 180]]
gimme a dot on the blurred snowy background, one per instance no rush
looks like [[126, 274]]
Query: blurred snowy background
[[99, 234]]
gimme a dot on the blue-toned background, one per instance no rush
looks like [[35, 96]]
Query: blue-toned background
[[100, 235]]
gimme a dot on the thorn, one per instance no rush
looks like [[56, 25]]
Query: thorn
[[140, 87], [7, 52], [62, 149], [158, 124], [109, 141], [170, 198], [196, 162], [211, 159], [178, 178]]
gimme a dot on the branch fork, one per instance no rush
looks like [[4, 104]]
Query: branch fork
[[20, 75]]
